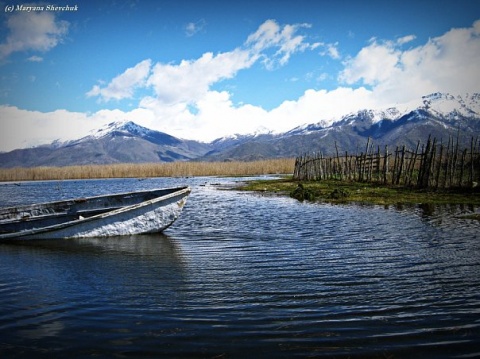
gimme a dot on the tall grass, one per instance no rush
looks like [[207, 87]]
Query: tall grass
[[174, 169]]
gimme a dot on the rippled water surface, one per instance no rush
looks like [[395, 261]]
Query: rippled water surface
[[242, 276]]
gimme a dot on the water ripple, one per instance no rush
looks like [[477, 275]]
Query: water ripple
[[246, 275]]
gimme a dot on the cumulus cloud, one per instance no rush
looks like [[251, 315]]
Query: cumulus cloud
[[182, 100], [190, 80], [448, 63], [381, 74], [38, 31], [124, 85], [372, 65], [217, 112], [320, 106], [22, 128]]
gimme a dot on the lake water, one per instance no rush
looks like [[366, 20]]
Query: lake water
[[241, 275]]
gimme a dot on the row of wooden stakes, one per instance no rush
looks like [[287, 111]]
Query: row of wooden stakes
[[431, 165]]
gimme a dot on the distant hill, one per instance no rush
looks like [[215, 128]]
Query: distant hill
[[119, 142], [440, 115]]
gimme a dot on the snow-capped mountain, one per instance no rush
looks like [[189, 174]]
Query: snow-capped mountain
[[126, 130], [439, 105], [440, 115], [452, 106], [222, 143], [118, 142]]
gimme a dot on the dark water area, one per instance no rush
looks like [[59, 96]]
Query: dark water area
[[243, 275]]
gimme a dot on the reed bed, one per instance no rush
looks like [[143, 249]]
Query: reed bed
[[143, 170]]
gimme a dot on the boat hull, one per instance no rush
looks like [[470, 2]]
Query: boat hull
[[150, 216]]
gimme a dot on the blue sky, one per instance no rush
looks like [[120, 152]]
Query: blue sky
[[205, 69]]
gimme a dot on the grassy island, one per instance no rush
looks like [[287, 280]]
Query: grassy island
[[335, 191]]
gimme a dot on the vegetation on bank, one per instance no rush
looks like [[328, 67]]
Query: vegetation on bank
[[336, 191], [330, 191], [140, 170]]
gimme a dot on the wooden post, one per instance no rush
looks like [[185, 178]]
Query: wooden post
[[338, 162], [385, 165], [447, 164], [295, 169], [454, 164], [462, 167], [412, 164], [394, 172], [378, 164], [304, 167], [424, 160], [400, 167], [431, 162], [470, 178], [347, 167], [437, 179]]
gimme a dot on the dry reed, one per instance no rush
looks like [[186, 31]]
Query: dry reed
[[140, 170]]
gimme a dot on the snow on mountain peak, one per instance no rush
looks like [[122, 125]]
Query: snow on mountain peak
[[127, 127], [448, 105], [374, 116], [262, 130], [241, 137], [438, 103], [443, 105]]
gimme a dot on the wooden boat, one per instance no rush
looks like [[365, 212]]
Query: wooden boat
[[100, 216]]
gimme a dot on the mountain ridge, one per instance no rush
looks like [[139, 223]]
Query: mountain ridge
[[440, 115]]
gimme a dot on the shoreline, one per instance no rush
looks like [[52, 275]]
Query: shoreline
[[343, 192]]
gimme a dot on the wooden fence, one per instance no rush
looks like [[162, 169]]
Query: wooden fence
[[434, 165]]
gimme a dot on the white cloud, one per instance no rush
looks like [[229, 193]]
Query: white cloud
[[193, 28], [190, 80], [38, 31], [22, 128], [285, 40], [217, 114], [315, 106], [372, 65], [35, 59], [329, 50], [406, 39], [213, 117], [333, 51], [448, 63], [183, 103], [124, 84], [381, 74]]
